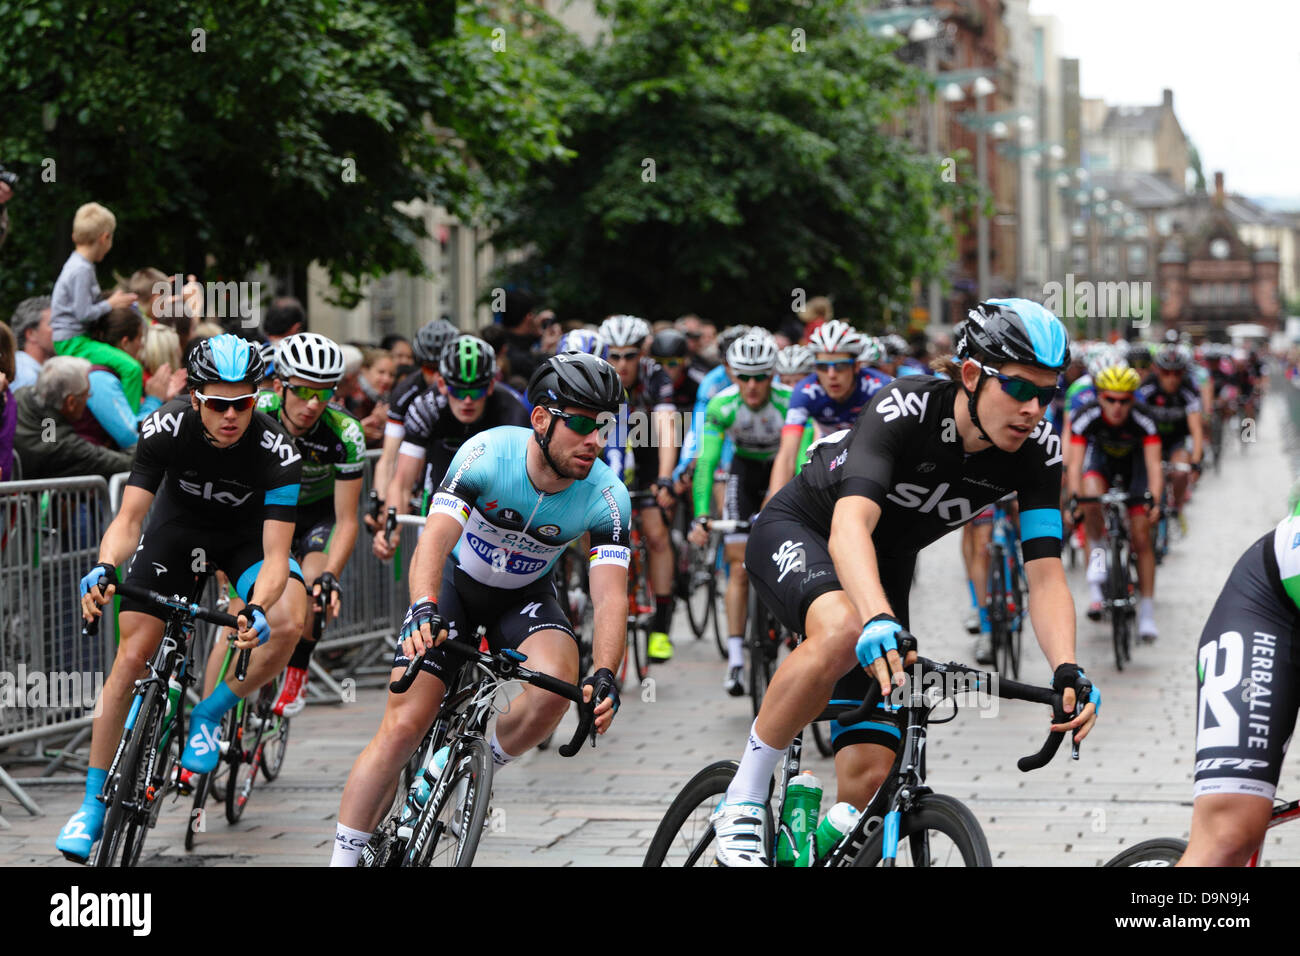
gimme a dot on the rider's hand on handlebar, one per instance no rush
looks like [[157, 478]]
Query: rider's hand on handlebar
[[422, 628], [877, 651], [1067, 678], [381, 547], [601, 684], [664, 496], [699, 533], [326, 591], [254, 629], [97, 589]]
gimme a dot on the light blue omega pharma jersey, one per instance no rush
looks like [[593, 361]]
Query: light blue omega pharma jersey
[[512, 534]]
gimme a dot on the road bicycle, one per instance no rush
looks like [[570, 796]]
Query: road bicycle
[[445, 830], [1166, 851], [143, 769], [933, 829], [705, 582], [1120, 591], [1006, 590]]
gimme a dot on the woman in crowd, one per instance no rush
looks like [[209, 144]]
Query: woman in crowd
[[370, 405], [8, 407], [109, 419], [400, 349]]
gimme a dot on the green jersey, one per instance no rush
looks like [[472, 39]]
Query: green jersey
[[755, 433], [334, 449]]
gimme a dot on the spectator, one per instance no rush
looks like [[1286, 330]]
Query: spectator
[[6, 193], [348, 389], [285, 317], [109, 419], [551, 332], [152, 298], [400, 349], [816, 313], [31, 322], [369, 405], [56, 401], [8, 406], [162, 346], [76, 300], [521, 323]]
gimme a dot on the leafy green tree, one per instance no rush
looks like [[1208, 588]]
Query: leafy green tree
[[727, 157], [225, 134]]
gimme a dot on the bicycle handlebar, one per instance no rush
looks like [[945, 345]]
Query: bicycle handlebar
[[987, 681], [503, 666]]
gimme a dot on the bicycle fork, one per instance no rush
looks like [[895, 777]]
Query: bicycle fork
[[911, 775]]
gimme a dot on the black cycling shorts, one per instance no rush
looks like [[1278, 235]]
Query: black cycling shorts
[[510, 616], [314, 528], [174, 554], [1248, 680], [790, 566], [1132, 468], [746, 487]]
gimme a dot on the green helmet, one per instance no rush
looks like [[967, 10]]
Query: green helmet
[[468, 362]]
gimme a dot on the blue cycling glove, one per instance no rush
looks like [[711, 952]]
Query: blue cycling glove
[[879, 636], [257, 616], [1072, 676], [102, 571]]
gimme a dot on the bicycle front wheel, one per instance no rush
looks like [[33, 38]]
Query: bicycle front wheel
[[124, 821], [243, 766], [1159, 852], [453, 822], [685, 835], [939, 830]]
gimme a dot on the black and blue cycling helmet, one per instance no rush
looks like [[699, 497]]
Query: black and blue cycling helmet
[[998, 331], [225, 358]]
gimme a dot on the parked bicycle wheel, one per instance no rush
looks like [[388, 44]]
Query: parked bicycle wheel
[[453, 821], [939, 830], [1163, 851]]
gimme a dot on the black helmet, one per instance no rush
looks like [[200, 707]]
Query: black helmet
[[225, 358], [1171, 358], [1138, 355], [432, 338], [1014, 330], [577, 379], [668, 344], [468, 362]]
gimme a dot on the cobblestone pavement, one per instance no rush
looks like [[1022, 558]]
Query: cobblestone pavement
[[1133, 781]]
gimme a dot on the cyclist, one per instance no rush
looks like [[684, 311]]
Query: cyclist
[[832, 554], [466, 400], [511, 501], [793, 363], [226, 478], [308, 367], [652, 399], [429, 342], [751, 413], [715, 381], [1110, 438], [1242, 735], [830, 398], [1175, 405]]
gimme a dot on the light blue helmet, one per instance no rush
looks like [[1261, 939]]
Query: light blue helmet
[[225, 358], [1015, 330]]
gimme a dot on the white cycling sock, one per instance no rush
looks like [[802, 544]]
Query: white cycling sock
[[1146, 609], [1094, 593], [1096, 562], [751, 782], [348, 844], [735, 651], [499, 757]]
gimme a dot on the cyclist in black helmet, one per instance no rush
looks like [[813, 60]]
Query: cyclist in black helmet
[[511, 501]]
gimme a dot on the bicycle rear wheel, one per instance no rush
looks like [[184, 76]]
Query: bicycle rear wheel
[[939, 830], [1016, 612], [243, 766], [761, 651], [998, 612], [822, 737], [453, 822], [1163, 851], [1117, 585]]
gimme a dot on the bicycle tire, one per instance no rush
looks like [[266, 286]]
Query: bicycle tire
[[698, 588], [472, 762], [822, 737], [141, 822], [997, 597], [1016, 627], [1163, 851], [701, 792], [641, 650], [932, 813], [1118, 588], [116, 818], [195, 823], [760, 673], [271, 752], [238, 792]]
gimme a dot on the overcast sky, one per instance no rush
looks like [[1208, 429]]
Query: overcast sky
[[1234, 69]]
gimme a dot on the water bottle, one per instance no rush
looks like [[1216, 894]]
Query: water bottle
[[803, 799], [840, 820], [418, 795], [174, 691]]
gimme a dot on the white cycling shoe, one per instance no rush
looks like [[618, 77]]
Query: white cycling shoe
[[738, 828]]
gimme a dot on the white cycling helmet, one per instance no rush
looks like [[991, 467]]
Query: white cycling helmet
[[1104, 357], [752, 354], [794, 360], [623, 330], [836, 336], [873, 351], [310, 356]]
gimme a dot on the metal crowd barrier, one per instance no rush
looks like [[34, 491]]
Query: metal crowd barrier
[[50, 530]]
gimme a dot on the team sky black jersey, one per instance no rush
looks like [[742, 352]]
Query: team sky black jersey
[[435, 434], [904, 454], [404, 393], [239, 487], [1089, 427], [1169, 412]]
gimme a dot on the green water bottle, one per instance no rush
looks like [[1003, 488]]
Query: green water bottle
[[838, 821], [174, 690], [803, 799]]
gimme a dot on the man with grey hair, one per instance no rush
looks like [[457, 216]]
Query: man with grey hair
[[31, 325], [45, 440]]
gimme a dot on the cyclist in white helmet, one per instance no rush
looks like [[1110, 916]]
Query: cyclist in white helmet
[[793, 363]]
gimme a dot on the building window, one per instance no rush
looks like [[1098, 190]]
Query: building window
[[1079, 258], [1110, 260], [1164, 224], [1137, 259]]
